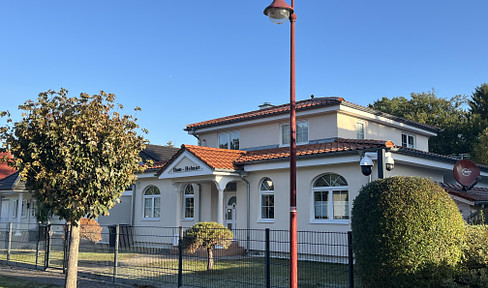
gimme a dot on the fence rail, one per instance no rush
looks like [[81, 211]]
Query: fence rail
[[155, 256]]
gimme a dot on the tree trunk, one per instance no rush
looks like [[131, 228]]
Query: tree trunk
[[210, 259], [74, 245]]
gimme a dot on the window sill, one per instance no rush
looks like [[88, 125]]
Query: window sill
[[329, 221], [150, 219], [265, 221], [188, 219]]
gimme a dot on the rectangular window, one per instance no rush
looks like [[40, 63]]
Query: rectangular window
[[148, 207], [360, 130], [301, 133], [157, 207], [229, 140], [23, 211], [341, 204], [321, 204], [15, 209], [408, 141], [267, 207], [189, 207]]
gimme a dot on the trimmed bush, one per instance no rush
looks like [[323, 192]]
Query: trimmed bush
[[90, 230], [476, 248], [207, 235], [404, 229]]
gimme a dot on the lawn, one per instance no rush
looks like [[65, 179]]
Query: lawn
[[9, 282]]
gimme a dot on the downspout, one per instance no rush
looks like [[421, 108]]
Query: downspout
[[133, 204], [192, 132], [248, 213]]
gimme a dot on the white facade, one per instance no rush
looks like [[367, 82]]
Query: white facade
[[235, 196]]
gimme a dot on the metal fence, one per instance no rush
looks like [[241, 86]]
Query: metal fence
[[154, 256]]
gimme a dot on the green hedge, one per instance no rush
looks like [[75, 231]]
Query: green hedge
[[406, 229]]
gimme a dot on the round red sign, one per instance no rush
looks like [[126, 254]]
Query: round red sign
[[466, 172]]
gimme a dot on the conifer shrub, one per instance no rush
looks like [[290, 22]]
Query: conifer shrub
[[405, 229]]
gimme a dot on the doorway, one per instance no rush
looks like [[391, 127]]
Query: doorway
[[230, 212]]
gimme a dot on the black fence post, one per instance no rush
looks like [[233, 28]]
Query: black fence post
[[351, 259], [67, 229], [116, 251], [9, 241], [47, 247], [267, 256], [180, 256], [38, 244]]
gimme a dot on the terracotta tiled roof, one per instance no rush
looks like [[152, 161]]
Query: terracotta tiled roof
[[338, 145], [475, 194], [301, 106], [5, 170], [216, 158], [272, 111]]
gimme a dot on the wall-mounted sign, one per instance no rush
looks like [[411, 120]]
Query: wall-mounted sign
[[186, 169], [466, 173]]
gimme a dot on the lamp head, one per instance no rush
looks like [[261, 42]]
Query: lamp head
[[278, 11]]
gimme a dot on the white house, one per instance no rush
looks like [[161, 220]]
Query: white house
[[238, 174]]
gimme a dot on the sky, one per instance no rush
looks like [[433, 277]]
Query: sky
[[184, 62]]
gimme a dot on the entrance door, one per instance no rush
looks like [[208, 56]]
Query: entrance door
[[230, 213]]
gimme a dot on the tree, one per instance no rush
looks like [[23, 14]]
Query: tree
[[207, 235], [427, 108], [405, 227], [479, 101], [77, 156], [478, 121], [479, 152]]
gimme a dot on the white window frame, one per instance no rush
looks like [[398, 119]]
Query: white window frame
[[229, 136], [360, 125], [262, 193], [190, 198], [330, 202], [408, 143], [15, 208], [154, 198], [299, 139]]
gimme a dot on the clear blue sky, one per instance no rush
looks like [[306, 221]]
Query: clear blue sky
[[189, 61]]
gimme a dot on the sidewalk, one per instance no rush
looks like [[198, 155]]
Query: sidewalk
[[55, 277]]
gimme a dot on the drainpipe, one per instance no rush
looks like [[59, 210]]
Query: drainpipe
[[133, 204], [248, 212]]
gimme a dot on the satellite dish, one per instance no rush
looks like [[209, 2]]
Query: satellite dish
[[466, 173]]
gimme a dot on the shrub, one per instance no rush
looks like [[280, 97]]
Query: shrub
[[476, 247], [90, 230], [404, 227], [207, 235]]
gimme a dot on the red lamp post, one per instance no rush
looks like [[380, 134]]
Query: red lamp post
[[278, 12]]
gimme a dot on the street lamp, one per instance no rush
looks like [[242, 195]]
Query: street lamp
[[278, 12]]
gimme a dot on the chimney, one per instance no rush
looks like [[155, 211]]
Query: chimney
[[265, 105]]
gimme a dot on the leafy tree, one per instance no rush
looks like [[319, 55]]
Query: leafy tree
[[478, 121], [207, 235], [427, 108], [479, 152], [77, 156]]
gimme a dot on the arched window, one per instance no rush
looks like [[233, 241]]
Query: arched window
[[330, 197], [152, 202], [189, 202], [266, 191]]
